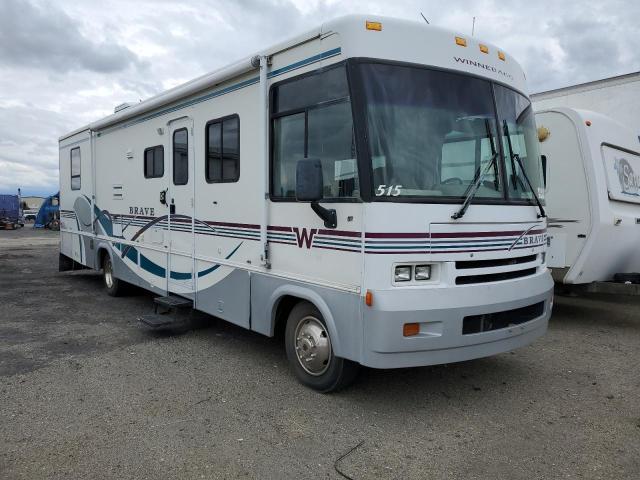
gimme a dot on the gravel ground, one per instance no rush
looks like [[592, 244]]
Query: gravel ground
[[86, 393]]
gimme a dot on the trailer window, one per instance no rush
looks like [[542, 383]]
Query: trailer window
[[311, 118], [75, 168], [154, 162], [180, 157], [223, 150]]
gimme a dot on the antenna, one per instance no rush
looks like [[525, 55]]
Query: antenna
[[425, 18], [473, 26]]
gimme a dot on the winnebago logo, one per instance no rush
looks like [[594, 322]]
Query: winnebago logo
[[147, 211], [484, 66], [304, 237], [629, 180]]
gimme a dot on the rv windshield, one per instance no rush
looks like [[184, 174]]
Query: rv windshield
[[432, 133]]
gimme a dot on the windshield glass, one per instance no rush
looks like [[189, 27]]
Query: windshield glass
[[520, 142], [432, 133]]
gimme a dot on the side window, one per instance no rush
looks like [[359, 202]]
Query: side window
[[223, 150], [154, 162], [75, 168], [180, 157], [311, 118]]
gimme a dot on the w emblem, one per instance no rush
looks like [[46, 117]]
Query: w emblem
[[304, 236]]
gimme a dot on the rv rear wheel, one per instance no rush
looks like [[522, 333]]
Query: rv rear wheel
[[310, 353], [112, 284]]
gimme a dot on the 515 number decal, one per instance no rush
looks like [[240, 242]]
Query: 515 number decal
[[388, 190]]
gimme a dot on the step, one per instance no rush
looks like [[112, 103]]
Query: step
[[155, 320], [173, 301]]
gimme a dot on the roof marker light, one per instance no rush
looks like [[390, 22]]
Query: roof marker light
[[461, 41], [377, 26], [484, 48], [502, 56]]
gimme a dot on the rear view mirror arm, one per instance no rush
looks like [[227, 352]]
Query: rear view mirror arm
[[327, 214]]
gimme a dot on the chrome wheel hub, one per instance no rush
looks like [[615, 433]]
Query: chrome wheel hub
[[108, 275], [313, 347]]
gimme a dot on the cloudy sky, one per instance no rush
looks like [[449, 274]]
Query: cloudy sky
[[65, 63]]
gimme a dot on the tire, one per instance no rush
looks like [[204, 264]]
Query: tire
[[306, 334], [114, 287]]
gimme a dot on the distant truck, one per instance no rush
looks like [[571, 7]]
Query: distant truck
[[11, 212], [592, 181]]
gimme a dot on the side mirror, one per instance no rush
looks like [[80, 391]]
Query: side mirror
[[309, 182], [309, 187]]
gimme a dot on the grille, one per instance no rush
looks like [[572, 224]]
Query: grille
[[498, 320], [494, 277], [496, 262]]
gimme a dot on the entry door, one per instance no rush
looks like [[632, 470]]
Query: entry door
[[180, 278]]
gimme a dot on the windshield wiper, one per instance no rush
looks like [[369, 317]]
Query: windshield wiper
[[472, 189], [516, 157]]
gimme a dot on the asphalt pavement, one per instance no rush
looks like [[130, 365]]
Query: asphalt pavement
[[85, 393]]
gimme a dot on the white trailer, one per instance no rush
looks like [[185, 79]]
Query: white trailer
[[616, 97], [353, 186], [592, 166]]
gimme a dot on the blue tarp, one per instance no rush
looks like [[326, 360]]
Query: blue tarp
[[48, 211]]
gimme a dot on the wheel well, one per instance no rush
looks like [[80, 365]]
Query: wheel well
[[102, 253], [282, 311]]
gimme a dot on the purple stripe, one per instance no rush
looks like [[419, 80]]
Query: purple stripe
[[340, 233]]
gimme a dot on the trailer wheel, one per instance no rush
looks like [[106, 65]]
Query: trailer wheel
[[310, 353], [112, 284]]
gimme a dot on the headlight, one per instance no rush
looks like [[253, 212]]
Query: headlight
[[423, 272], [402, 273]]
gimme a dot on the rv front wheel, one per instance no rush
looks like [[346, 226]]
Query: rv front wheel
[[112, 284], [310, 352]]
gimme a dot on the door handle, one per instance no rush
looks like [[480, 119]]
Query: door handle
[[172, 207]]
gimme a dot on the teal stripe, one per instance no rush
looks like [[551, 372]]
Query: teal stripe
[[336, 244], [231, 88]]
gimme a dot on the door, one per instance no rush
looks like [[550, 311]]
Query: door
[[181, 194]]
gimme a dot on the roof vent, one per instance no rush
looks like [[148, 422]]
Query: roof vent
[[122, 106]]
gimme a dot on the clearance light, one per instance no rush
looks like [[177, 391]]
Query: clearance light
[[368, 298], [484, 48], [461, 41], [502, 56], [377, 26], [410, 329]]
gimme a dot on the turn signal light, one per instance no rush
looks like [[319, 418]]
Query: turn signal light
[[377, 26], [410, 329], [368, 298]]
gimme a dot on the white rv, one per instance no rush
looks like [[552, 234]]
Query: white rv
[[592, 166], [354, 186]]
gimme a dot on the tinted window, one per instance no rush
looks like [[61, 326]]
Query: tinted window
[[312, 119], [180, 157], [154, 162], [223, 150], [75, 168]]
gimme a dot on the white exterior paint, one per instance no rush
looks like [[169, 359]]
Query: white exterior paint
[[592, 195], [214, 251], [617, 98]]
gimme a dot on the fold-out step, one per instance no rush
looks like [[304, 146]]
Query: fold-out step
[[173, 301], [156, 320]]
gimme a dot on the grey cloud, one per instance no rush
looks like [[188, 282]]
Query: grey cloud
[[45, 37]]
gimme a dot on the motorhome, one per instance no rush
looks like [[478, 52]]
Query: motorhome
[[370, 188], [592, 170]]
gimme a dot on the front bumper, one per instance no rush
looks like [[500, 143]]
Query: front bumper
[[441, 312]]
